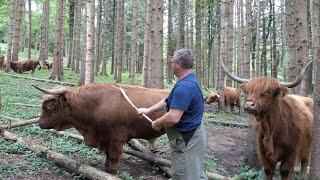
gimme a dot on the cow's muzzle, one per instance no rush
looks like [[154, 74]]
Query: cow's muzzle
[[251, 107]]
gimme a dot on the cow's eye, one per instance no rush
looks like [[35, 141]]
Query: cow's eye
[[267, 93]]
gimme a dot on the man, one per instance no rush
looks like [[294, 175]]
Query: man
[[183, 120]]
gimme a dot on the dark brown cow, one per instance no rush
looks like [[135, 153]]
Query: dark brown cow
[[25, 65], [1, 61], [232, 97], [283, 123], [102, 115]]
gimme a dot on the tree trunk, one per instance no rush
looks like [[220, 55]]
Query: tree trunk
[[43, 54], [98, 39], [229, 36], [170, 50], [222, 51], [120, 46], [248, 39], [30, 30], [89, 43], [146, 48], [241, 65], [71, 16], [297, 40], [182, 11], [75, 41], [155, 77], [198, 48], [134, 52], [57, 69], [9, 33], [315, 155], [17, 28]]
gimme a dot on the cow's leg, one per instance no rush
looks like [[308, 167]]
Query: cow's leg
[[115, 152], [268, 165], [304, 166], [287, 167]]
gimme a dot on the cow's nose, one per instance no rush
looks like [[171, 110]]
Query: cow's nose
[[250, 104]]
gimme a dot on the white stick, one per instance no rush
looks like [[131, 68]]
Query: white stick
[[130, 102]]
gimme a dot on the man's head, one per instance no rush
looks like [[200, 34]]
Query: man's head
[[182, 59]]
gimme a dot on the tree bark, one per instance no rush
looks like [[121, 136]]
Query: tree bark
[[30, 30], [146, 48], [43, 54], [17, 29], [182, 11], [134, 52], [315, 155], [10, 33], [155, 71], [120, 43], [89, 43], [198, 48], [170, 50], [57, 73]]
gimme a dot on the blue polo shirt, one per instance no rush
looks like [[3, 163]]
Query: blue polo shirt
[[186, 95]]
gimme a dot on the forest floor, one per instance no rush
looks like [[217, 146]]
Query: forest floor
[[225, 144]]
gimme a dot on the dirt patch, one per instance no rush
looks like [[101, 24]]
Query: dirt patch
[[227, 145]]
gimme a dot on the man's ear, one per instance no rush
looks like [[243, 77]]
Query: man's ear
[[282, 91]]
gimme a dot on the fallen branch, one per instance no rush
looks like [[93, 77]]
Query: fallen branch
[[26, 105], [229, 123], [60, 159], [131, 103], [20, 123], [147, 156], [213, 176], [41, 80]]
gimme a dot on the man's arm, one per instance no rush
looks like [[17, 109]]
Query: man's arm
[[157, 107], [168, 119]]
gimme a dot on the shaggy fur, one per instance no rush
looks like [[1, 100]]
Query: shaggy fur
[[232, 97], [283, 125], [103, 116], [47, 64], [25, 65]]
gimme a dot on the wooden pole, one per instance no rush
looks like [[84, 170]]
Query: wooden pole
[[131, 103], [20, 123]]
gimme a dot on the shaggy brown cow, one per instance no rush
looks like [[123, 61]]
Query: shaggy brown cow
[[47, 64], [283, 123], [232, 97], [1, 61], [102, 115], [25, 65]]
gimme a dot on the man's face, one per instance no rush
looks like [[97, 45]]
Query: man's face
[[176, 65]]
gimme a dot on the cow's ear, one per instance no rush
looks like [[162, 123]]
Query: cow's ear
[[282, 91]]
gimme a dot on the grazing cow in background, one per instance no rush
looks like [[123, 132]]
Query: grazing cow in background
[[102, 115], [232, 97], [25, 65], [283, 123], [1, 61], [47, 64]]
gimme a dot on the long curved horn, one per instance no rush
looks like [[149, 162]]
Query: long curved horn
[[231, 76], [51, 91], [298, 79]]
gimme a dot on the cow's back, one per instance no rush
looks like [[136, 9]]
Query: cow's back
[[105, 108]]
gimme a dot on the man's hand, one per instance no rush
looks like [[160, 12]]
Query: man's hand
[[143, 111], [155, 126]]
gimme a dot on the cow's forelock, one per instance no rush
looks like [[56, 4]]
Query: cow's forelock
[[261, 93]]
